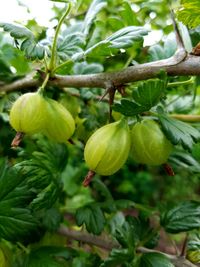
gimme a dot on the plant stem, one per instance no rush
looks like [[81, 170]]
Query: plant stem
[[53, 51], [190, 81], [42, 87], [62, 65]]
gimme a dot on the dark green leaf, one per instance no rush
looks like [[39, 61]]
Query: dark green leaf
[[51, 219], [17, 31], [184, 217], [194, 241], [189, 13], [117, 257], [93, 218], [49, 256], [179, 132], [149, 93], [154, 260], [16, 221]]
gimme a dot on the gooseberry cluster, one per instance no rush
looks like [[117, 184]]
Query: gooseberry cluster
[[33, 113], [107, 149]]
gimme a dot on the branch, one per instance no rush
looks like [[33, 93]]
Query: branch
[[110, 244], [189, 65]]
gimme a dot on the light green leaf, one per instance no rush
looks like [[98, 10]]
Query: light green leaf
[[189, 13], [32, 49], [17, 31], [95, 7]]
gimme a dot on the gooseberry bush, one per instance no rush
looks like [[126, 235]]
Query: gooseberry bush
[[99, 136]]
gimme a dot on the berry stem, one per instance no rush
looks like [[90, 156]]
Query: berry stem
[[53, 50], [88, 178], [17, 139], [42, 87]]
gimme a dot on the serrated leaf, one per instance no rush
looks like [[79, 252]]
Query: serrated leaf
[[49, 256], [70, 45], [154, 260], [194, 241], [93, 218], [124, 38], [17, 31], [179, 132], [16, 221], [184, 217], [189, 13], [117, 257], [95, 7], [86, 68], [128, 107], [32, 49], [148, 93]]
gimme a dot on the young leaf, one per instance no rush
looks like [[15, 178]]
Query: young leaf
[[70, 45], [149, 93], [179, 132], [117, 257], [124, 38], [95, 7], [154, 259], [17, 31], [184, 217], [145, 96], [128, 107], [189, 13], [93, 218], [32, 49]]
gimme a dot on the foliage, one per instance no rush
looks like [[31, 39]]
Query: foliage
[[47, 216]]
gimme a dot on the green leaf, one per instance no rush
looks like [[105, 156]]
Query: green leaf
[[86, 68], [128, 107], [145, 96], [49, 256], [124, 38], [95, 7], [189, 13], [118, 256], [184, 217], [17, 31], [194, 241], [70, 45], [179, 132], [148, 93], [16, 221], [93, 218], [32, 49], [154, 260]]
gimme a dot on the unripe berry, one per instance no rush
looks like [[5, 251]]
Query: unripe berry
[[59, 123], [107, 149], [27, 114], [149, 144]]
